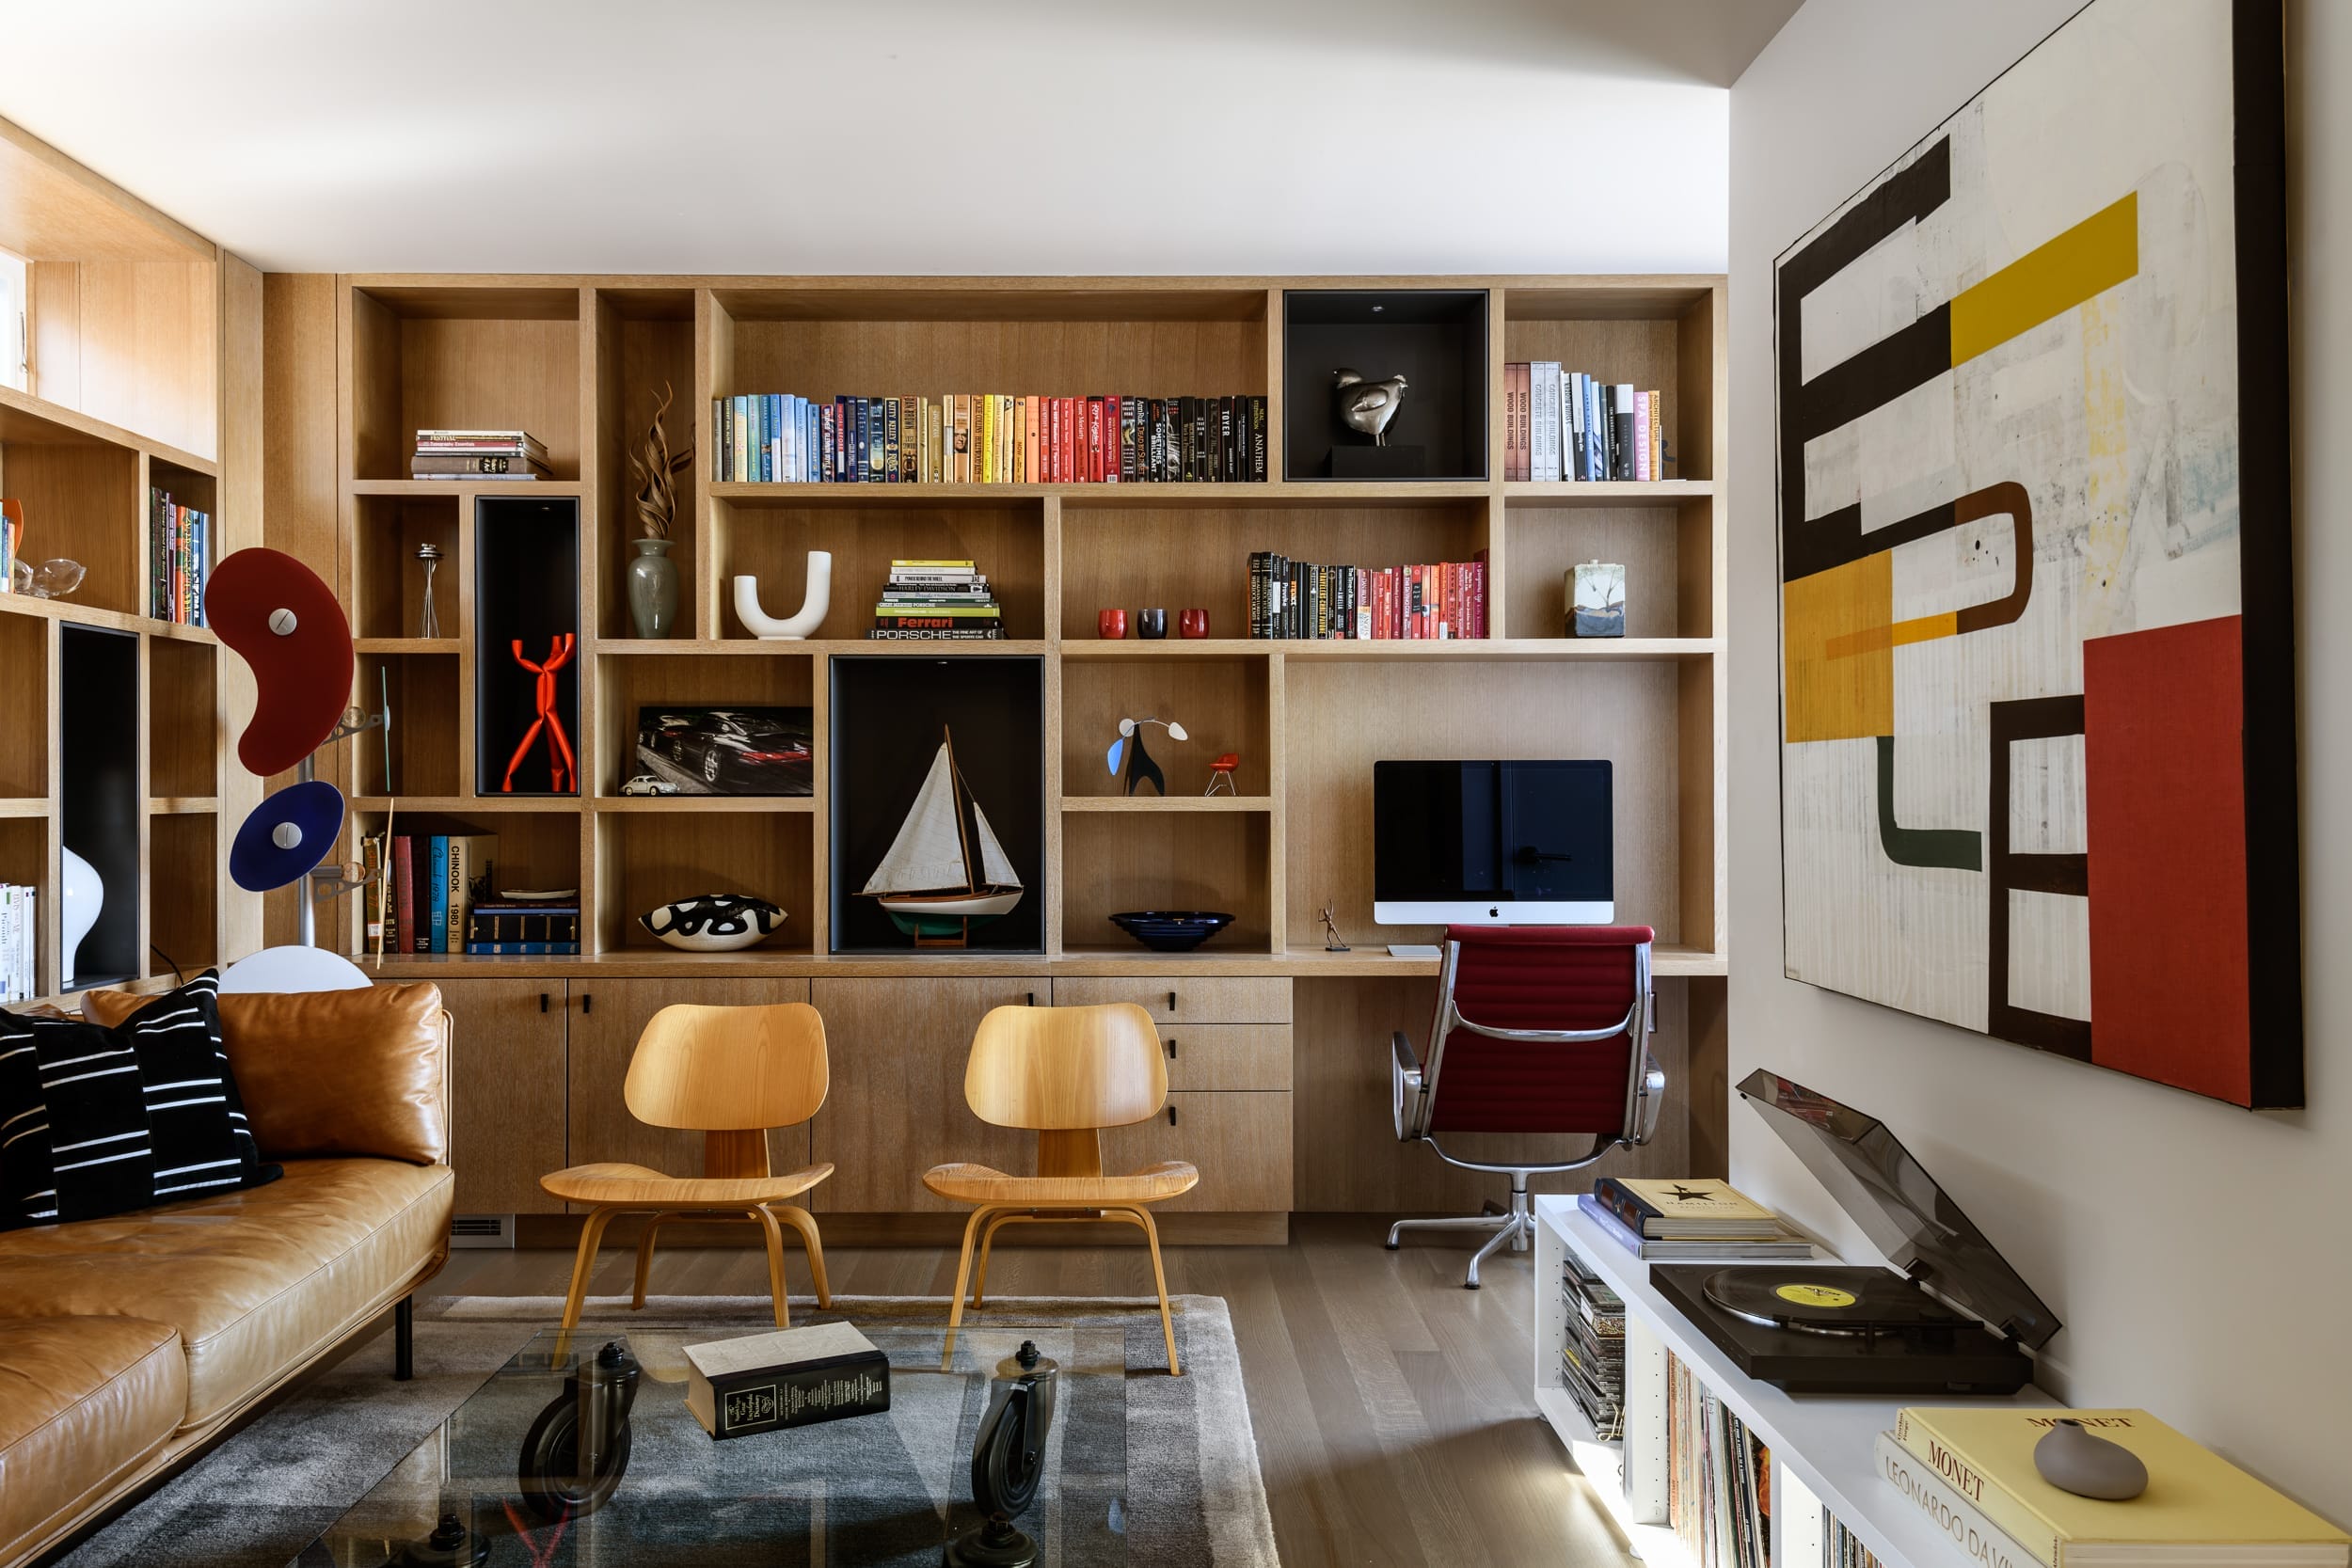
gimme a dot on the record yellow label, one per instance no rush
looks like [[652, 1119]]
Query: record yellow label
[[1815, 1295]]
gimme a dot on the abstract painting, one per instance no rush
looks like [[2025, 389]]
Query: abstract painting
[[2037, 674]]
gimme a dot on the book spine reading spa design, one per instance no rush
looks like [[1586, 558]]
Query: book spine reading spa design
[[2038, 757]]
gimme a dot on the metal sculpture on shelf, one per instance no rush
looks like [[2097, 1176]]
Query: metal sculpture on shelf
[[1332, 942], [1368, 405], [563, 767], [1139, 764], [429, 622]]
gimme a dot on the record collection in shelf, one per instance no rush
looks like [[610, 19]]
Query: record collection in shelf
[[1592, 1349], [1719, 1497]]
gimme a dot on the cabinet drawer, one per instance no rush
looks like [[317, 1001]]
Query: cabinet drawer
[[1226, 1056], [1186, 998], [1240, 1143]]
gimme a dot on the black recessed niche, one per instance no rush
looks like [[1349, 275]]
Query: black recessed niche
[[526, 589], [1435, 337], [99, 807], [890, 714]]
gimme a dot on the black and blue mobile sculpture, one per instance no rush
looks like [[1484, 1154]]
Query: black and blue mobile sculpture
[[1139, 764]]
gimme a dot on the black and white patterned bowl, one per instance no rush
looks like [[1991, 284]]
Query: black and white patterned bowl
[[1172, 931], [714, 922]]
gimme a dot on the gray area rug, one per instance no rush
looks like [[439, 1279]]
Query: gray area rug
[[1191, 1493]]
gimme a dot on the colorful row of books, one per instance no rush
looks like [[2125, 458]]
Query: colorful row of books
[[1567, 425], [1972, 1470], [1591, 1351], [937, 600], [20, 941], [478, 454], [436, 902], [988, 438], [1719, 1497], [179, 546], [1303, 600]]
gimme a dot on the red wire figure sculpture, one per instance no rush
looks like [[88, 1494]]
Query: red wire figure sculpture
[[560, 763]]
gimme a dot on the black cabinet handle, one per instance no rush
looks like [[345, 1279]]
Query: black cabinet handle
[[1171, 1002], [1171, 1115], [1172, 1050], [586, 1001], [543, 1002], [1029, 999]]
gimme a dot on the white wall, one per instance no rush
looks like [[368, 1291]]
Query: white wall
[[2201, 1256]]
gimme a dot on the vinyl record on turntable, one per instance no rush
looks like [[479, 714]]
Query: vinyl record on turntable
[[1826, 1301]]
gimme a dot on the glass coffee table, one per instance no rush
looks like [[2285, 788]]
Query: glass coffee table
[[889, 1488]]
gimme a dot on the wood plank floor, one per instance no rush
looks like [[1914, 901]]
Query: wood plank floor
[[1392, 1408]]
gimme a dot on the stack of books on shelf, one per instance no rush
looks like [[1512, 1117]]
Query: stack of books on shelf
[[988, 438], [937, 600], [523, 928], [1567, 425], [1719, 1497], [435, 879], [178, 545], [1971, 1470], [1301, 599], [478, 454], [1659, 1220], [20, 939], [1591, 1352]]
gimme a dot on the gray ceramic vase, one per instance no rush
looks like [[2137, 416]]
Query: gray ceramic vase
[[653, 588], [2072, 1458]]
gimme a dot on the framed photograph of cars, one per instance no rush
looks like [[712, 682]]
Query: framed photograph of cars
[[721, 750]]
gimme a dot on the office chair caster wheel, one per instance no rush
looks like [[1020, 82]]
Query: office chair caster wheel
[[1393, 1246], [450, 1546], [551, 1471], [1469, 1284]]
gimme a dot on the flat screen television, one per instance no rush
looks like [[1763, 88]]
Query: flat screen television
[[1491, 843]]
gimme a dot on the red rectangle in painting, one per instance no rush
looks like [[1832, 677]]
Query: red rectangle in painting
[[2164, 793]]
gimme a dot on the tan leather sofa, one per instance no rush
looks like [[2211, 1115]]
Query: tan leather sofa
[[128, 1342]]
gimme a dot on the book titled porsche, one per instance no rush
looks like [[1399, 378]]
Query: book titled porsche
[[794, 1377], [491, 464]]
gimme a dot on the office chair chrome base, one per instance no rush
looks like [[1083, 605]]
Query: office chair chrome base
[[1514, 1226]]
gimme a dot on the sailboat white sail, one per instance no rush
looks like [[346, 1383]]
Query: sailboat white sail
[[995, 868], [927, 854], [927, 880]]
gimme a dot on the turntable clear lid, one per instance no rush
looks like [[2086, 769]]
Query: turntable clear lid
[[1910, 1219]]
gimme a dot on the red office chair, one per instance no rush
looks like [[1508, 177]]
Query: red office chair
[[1537, 1029]]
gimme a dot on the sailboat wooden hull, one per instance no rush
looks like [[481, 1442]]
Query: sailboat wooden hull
[[946, 918]]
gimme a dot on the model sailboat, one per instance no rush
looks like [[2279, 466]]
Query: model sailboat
[[944, 873]]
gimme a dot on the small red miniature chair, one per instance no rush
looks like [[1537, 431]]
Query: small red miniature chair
[[563, 767], [1221, 772]]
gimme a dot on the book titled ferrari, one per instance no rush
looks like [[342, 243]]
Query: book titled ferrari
[[1687, 1210], [2200, 1511], [794, 1377]]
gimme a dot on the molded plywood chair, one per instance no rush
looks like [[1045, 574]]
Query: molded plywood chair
[[730, 1073], [1067, 1072], [1538, 1029]]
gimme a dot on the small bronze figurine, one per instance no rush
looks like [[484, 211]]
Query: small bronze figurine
[[1332, 942], [1368, 405]]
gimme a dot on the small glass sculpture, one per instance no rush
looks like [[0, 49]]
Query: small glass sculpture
[[51, 580], [430, 554]]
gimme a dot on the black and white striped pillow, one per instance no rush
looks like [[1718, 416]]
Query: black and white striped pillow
[[96, 1121]]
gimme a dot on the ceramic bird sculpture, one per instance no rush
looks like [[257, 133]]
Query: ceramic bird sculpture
[[1368, 405]]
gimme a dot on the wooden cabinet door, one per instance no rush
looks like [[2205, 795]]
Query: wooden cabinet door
[[506, 1125], [1239, 1141], [607, 1016], [899, 1049]]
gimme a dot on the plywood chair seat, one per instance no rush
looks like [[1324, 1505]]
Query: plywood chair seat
[[637, 1187], [982, 1184], [731, 1074], [1065, 1073]]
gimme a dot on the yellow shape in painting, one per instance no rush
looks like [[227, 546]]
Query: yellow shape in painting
[[1924, 628], [2088, 259], [1835, 696]]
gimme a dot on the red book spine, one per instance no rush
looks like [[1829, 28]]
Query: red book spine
[[404, 893], [1429, 599], [1478, 594], [1450, 599], [1113, 433], [1094, 441], [1031, 410]]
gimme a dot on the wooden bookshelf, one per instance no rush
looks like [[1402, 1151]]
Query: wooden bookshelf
[[132, 321]]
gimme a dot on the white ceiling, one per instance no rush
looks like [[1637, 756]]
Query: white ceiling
[[911, 136]]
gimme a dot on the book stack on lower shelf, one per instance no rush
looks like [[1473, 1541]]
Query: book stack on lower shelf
[[435, 879], [934, 600], [1303, 600], [1972, 1470], [473, 455], [525, 926], [1660, 1220], [20, 939], [179, 545]]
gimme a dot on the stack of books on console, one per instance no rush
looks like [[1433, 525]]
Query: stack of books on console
[[936, 600], [1972, 1470], [523, 928], [478, 454], [1591, 1352], [20, 938], [1662, 1221]]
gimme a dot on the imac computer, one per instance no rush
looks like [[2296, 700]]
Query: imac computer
[[1491, 843]]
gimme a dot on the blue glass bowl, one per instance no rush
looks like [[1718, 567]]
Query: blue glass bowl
[[1172, 931]]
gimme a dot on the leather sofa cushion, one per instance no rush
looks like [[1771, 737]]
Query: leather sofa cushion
[[330, 1074], [255, 1281], [82, 1400]]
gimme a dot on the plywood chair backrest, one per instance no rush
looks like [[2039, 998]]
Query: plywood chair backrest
[[1063, 1068], [715, 1069]]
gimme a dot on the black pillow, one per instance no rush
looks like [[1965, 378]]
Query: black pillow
[[97, 1121]]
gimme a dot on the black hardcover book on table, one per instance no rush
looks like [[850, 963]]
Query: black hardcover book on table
[[795, 1377]]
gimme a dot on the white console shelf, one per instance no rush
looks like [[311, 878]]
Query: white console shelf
[[1820, 1444]]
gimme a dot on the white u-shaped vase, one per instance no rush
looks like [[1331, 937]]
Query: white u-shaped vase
[[813, 607]]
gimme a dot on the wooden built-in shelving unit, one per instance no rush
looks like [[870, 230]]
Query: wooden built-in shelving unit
[[577, 362]]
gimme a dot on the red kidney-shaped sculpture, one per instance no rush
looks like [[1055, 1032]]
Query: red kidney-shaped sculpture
[[279, 617]]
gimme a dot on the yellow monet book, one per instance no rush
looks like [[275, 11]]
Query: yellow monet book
[[2198, 1509]]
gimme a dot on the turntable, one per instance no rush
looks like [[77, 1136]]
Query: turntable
[[1946, 1316]]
